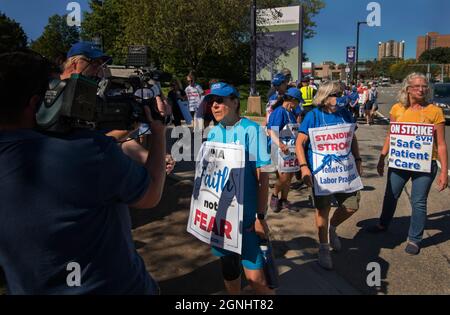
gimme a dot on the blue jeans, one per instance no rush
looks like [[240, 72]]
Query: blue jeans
[[421, 184]]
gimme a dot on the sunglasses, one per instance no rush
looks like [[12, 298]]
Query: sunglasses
[[289, 98], [335, 95]]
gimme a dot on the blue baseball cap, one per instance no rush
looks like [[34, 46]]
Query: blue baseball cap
[[89, 50], [294, 93], [222, 89], [278, 79]]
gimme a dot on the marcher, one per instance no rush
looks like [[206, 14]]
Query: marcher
[[307, 93], [354, 102], [414, 106], [280, 86], [176, 94], [283, 130], [328, 115], [233, 128], [194, 93]]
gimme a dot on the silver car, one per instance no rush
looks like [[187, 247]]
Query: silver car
[[441, 97]]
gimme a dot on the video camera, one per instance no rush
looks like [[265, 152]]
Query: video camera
[[114, 103]]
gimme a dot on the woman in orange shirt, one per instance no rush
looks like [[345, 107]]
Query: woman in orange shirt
[[413, 107]]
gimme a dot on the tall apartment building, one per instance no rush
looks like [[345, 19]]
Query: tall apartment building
[[391, 49], [430, 41]]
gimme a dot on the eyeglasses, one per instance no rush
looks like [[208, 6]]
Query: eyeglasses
[[417, 87]]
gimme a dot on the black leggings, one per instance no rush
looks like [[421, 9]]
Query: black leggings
[[231, 267]]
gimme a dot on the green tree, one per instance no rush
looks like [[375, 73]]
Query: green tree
[[57, 38], [439, 55], [181, 35], [12, 36], [399, 70]]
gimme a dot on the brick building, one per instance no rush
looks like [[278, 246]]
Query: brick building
[[430, 41]]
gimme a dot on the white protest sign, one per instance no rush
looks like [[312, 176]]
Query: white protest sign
[[334, 166], [411, 146], [217, 201], [288, 163]]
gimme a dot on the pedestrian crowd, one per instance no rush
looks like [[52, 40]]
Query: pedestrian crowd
[[66, 197]]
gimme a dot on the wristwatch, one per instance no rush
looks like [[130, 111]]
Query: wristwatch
[[260, 216]]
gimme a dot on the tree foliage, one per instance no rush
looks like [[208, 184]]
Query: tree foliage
[[440, 55], [209, 37], [12, 36], [57, 38]]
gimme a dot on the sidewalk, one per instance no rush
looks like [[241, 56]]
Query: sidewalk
[[184, 265]]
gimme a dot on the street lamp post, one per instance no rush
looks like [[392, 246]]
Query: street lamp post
[[357, 50], [253, 49]]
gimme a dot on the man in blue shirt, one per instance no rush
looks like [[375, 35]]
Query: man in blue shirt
[[64, 221]]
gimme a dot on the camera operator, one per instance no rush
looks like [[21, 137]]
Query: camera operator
[[64, 222]]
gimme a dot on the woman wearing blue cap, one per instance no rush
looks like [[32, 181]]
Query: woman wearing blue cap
[[328, 116], [283, 129], [234, 129], [280, 86]]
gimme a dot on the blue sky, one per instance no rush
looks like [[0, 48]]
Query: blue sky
[[336, 24]]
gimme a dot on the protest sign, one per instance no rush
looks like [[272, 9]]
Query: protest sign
[[288, 163], [334, 166], [217, 201], [411, 146]]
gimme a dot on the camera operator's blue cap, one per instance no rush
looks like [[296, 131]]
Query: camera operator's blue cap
[[278, 79], [222, 89], [294, 93], [89, 50]]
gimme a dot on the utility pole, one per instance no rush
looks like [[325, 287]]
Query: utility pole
[[300, 42], [357, 50], [254, 100], [253, 49]]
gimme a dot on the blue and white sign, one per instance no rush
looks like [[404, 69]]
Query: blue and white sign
[[411, 146], [217, 200], [334, 167]]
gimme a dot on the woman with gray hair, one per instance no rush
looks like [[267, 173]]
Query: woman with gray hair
[[327, 149], [414, 107]]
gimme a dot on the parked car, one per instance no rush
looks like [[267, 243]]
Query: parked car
[[441, 97]]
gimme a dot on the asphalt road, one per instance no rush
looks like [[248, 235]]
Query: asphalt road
[[388, 97]]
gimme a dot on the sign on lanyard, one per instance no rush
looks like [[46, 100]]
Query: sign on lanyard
[[217, 200], [288, 163], [411, 146], [334, 167]]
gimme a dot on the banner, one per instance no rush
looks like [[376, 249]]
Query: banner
[[288, 163], [411, 146], [217, 200], [334, 166]]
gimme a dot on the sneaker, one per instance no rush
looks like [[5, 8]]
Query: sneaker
[[335, 242], [412, 248], [287, 205], [275, 204], [325, 258]]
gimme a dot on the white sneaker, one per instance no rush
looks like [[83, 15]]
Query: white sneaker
[[325, 258], [335, 242]]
